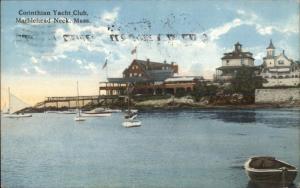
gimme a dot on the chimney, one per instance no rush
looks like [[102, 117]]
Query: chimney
[[283, 52]]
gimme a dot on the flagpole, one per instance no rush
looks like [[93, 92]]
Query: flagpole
[[136, 52], [106, 71]]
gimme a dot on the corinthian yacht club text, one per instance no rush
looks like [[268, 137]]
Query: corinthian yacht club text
[[22, 12]]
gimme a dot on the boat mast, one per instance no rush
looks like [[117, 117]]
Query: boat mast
[[128, 92], [9, 103], [78, 99]]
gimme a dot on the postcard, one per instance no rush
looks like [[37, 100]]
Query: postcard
[[150, 93]]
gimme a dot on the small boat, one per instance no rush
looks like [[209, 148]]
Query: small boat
[[132, 123], [17, 115], [15, 105], [112, 110], [97, 112], [79, 118], [268, 170], [66, 112], [89, 114], [131, 115]]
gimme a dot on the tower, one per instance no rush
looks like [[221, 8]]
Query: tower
[[237, 47], [270, 50]]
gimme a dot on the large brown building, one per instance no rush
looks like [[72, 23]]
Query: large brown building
[[148, 78]]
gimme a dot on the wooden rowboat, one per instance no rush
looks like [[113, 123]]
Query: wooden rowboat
[[269, 170]]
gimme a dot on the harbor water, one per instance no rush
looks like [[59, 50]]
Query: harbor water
[[178, 148]]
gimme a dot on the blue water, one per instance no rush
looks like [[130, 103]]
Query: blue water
[[187, 148]]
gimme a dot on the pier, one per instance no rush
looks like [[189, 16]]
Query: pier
[[81, 101]]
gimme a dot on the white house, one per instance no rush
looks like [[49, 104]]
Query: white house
[[279, 70], [232, 62]]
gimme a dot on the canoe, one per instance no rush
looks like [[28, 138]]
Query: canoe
[[269, 170]]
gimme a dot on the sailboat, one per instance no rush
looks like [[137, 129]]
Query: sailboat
[[78, 116], [130, 117], [14, 105], [5, 109]]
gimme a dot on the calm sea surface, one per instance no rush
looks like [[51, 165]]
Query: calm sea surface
[[187, 148]]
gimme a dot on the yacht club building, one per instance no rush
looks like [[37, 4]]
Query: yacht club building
[[149, 77]]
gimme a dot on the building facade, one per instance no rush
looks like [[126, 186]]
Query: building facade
[[279, 70], [232, 62], [149, 78]]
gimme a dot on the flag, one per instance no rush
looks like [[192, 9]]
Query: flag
[[105, 64], [133, 51]]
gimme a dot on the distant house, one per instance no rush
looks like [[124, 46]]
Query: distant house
[[149, 78], [279, 70], [232, 62]]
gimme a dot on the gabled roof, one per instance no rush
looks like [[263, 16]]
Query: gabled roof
[[150, 65], [237, 55], [154, 71]]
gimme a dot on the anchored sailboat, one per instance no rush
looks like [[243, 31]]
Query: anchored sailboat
[[78, 116], [130, 117], [14, 106]]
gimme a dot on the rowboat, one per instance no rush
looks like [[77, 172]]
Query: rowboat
[[131, 123], [268, 170]]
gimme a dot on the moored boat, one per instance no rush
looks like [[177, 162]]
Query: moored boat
[[132, 123], [17, 115], [15, 105], [269, 170], [66, 112], [99, 114]]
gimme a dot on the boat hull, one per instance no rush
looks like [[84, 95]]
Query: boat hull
[[79, 118], [129, 124], [96, 114], [66, 112], [17, 115], [277, 176]]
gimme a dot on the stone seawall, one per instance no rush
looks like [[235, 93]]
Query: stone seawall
[[277, 95]]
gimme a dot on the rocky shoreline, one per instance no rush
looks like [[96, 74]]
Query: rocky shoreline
[[186, 102]]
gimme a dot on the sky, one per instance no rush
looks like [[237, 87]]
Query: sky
[[42, 59]]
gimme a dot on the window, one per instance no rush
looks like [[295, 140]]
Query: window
[[135, 74], [242, 61], [280, 62], [130, 75], [140, 75], [227, 62]]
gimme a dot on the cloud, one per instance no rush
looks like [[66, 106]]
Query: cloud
[[33, 60], [264, 28], [26, 70], [215, 33], [110, 17], [39, 70]]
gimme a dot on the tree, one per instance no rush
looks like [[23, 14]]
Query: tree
[[246, 81]]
